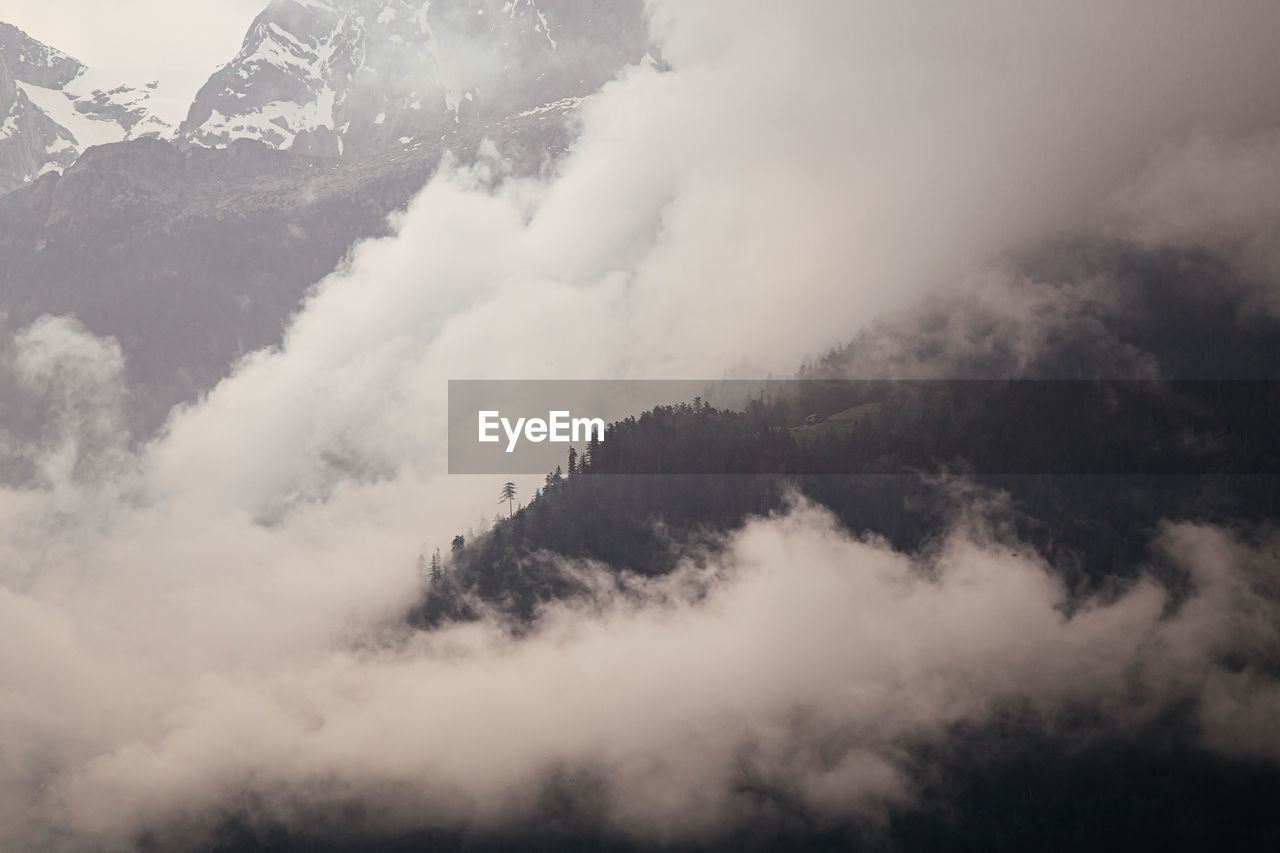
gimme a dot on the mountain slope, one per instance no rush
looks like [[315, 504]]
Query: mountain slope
[[53, 107], [192, 257], [188, 258]]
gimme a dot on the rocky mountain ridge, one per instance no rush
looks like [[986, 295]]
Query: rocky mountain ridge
[[333, 78]]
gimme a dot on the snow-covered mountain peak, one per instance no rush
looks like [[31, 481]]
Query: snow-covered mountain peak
[[336, 76], [53, 107], [331, 77]]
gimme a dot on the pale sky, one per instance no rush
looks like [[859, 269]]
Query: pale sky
[[149, 36]]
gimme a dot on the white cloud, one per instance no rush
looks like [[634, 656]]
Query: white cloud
[[811, 667]]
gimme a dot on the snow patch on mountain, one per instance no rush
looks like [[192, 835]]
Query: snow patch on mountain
[[562, 105]]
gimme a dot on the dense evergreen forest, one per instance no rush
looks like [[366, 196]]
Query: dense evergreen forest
[[1090, 467]]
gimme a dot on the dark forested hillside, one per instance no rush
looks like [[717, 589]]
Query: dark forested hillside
[[1171, 412], [1090, 467]]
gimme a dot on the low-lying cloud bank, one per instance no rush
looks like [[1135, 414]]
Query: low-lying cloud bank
[[219, 611], [794, 666]]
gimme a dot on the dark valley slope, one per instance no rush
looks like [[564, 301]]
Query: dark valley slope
[[193, 257]]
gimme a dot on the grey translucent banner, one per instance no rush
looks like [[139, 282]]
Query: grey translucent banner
[[815, 427]]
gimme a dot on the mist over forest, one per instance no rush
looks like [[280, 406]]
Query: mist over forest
[[990, 560]]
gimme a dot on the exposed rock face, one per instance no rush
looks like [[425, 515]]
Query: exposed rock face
[[30, 142], [34, 62]]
